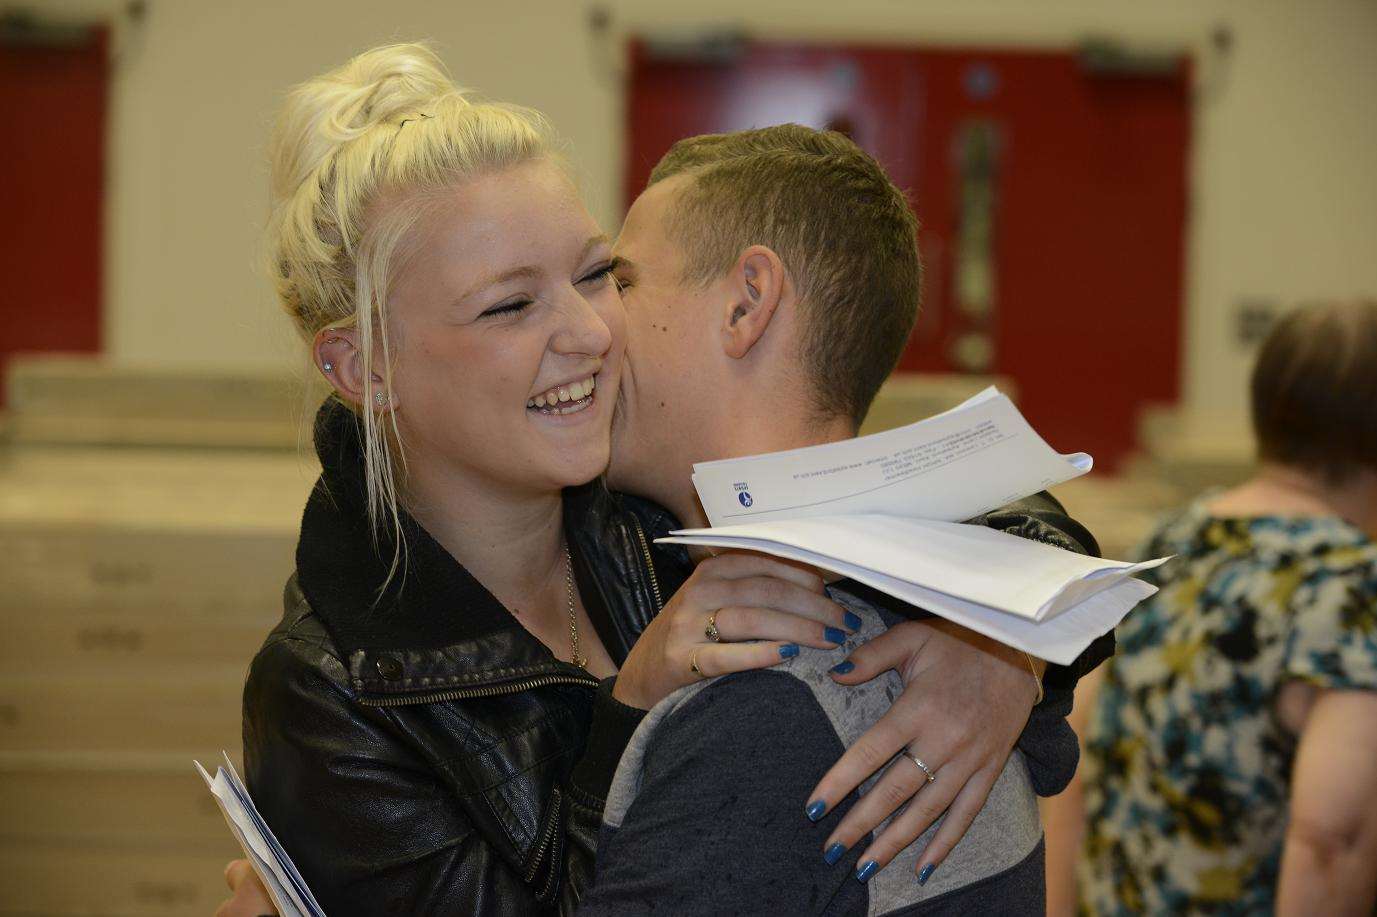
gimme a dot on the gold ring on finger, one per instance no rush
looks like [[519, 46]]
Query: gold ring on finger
[[711, 630], [693, 664], [927, 771]]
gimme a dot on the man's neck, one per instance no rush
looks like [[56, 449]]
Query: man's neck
[[755, 435]]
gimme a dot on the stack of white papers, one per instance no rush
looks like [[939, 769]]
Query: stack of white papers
[[274, 867], [883, 510]]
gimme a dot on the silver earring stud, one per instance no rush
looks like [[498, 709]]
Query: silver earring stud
[[328, 367], [379, 399]]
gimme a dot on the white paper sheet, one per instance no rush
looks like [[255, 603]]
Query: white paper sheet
[[280, 876], [1035, 581], [1058, 640], [974, 458]]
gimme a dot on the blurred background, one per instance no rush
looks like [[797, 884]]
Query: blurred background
[[1117, 200]]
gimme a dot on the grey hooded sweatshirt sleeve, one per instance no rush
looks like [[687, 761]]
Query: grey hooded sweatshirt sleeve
[[705, 814]]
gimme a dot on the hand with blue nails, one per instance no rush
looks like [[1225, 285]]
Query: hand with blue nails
[[965, 703], [763, 610]]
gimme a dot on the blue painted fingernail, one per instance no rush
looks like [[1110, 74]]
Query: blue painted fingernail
[[833, 854], [843, 667], [924, 873], [835, 635], [868, 869], [815, 809], [853, 621], [788, 651]]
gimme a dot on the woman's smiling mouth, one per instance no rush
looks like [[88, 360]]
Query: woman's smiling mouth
[[569, 398]]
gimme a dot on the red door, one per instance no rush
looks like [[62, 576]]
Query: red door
[[52, 101], [1052, 199]]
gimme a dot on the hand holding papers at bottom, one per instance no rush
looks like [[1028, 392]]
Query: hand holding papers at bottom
[[1031, 596], [270, 861]]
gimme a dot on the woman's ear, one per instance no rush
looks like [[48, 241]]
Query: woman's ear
[[340, 360], [757, 284]]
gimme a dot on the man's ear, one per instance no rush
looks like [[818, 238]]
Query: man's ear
[[337, 355], [757, 284]]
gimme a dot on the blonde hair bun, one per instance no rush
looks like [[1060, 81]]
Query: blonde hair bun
[[379, 88]]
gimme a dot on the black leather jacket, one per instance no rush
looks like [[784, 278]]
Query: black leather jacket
[[425, 754]]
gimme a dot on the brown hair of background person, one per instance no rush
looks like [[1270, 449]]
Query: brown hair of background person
[[1314, 390], [845, 232]]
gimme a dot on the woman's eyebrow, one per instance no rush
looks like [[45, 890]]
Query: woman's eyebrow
[[528, 271]]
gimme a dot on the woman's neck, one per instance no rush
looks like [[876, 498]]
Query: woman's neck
[[1281, 490], [511, 541]]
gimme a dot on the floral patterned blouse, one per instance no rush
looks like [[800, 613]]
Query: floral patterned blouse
[[1187, 771]]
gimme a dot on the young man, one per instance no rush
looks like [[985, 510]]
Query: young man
[[771, 280]]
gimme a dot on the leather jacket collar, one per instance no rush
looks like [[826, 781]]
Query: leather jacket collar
[[432, 628]]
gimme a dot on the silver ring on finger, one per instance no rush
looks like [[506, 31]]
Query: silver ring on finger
[[927, 771], [711, 630]]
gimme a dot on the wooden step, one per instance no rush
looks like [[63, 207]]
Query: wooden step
[[68, 639], [79, 879], [110, 570], [91, 400], [97, 709], [111, 798]]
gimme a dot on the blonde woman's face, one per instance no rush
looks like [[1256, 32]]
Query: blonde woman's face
[[509, 333]]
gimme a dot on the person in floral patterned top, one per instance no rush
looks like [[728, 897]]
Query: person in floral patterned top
[[1231, 761]]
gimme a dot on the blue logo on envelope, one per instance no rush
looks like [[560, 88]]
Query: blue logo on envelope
[[745, 498]]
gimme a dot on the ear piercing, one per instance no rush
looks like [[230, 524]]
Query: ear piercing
[[379, 399], [328, 367]]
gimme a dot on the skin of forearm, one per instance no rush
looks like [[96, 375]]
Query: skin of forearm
[[1328, 859], [1324, 874]]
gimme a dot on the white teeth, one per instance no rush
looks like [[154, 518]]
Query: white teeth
[[557, 398]]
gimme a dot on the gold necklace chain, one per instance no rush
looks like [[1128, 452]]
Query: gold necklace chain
[[574, 656]]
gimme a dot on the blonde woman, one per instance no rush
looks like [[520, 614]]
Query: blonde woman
[[460, 603]]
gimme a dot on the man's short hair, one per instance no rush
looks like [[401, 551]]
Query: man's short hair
[[845, 233], [1314, 390]]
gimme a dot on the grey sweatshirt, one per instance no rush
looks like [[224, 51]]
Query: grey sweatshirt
[[705, 814]]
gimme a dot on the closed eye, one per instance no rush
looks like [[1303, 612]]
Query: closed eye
[[598, 277], [515, 307]]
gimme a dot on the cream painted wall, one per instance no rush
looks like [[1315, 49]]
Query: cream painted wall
[[1284, 190]]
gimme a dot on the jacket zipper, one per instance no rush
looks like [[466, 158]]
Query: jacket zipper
[[493, 691], [511, 687], [649, 565], [544, 846]]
